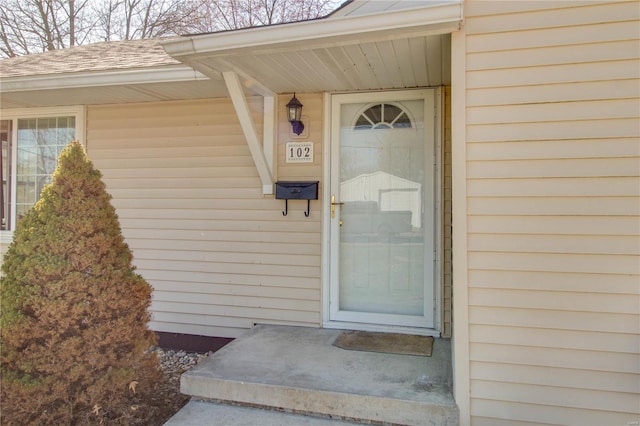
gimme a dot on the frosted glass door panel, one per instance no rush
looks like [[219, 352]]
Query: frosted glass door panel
[[381, 185]]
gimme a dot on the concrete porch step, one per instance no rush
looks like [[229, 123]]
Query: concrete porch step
[[298, 370], [201, 413]]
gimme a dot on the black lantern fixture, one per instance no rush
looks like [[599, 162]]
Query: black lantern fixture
[[294, 114]]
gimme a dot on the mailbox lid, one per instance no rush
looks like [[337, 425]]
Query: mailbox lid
[[298, 190]]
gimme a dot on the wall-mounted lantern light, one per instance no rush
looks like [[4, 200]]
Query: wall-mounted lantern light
[[294, 109]]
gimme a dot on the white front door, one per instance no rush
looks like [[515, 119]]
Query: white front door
[[382, 218]]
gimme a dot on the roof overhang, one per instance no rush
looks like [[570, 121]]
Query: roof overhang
[[419, 21], [149, 84], [387, 50], [392, 49]]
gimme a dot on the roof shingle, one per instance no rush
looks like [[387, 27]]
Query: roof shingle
[[104, 56]]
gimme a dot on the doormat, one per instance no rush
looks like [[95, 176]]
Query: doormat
[[393, 343]]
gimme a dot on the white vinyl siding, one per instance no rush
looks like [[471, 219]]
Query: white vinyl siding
[[553, 211], [219, 254]]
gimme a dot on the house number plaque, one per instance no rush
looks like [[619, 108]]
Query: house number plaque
[[299, 152]]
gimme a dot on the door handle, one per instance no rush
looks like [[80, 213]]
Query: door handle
[[333, 206]]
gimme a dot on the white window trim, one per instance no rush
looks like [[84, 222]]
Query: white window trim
[[77, 111]]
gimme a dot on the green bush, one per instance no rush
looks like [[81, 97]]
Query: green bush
[[73, 325]]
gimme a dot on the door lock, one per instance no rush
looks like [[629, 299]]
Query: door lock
[[333, 207]]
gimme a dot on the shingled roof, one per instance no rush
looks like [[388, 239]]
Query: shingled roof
[[105, 56]]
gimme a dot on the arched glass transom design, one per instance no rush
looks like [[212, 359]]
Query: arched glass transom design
[[383, 116]]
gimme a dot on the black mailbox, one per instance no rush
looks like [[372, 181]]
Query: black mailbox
[[306, 190], [301, 190]]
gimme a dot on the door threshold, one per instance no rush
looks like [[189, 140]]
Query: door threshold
[[418, 331]]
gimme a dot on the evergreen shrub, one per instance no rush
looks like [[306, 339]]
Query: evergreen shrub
[[74, 341]]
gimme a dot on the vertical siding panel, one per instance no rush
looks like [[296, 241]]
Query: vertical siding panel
[[219, 253], [446, 223], [553, 151]]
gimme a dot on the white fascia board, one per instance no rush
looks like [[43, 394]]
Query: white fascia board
[[448, 16], [165, 74], [356, 7]]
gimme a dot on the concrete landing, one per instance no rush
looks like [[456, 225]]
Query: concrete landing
[[298, 370]]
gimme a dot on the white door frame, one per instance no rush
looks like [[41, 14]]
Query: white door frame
[[326, 240]]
